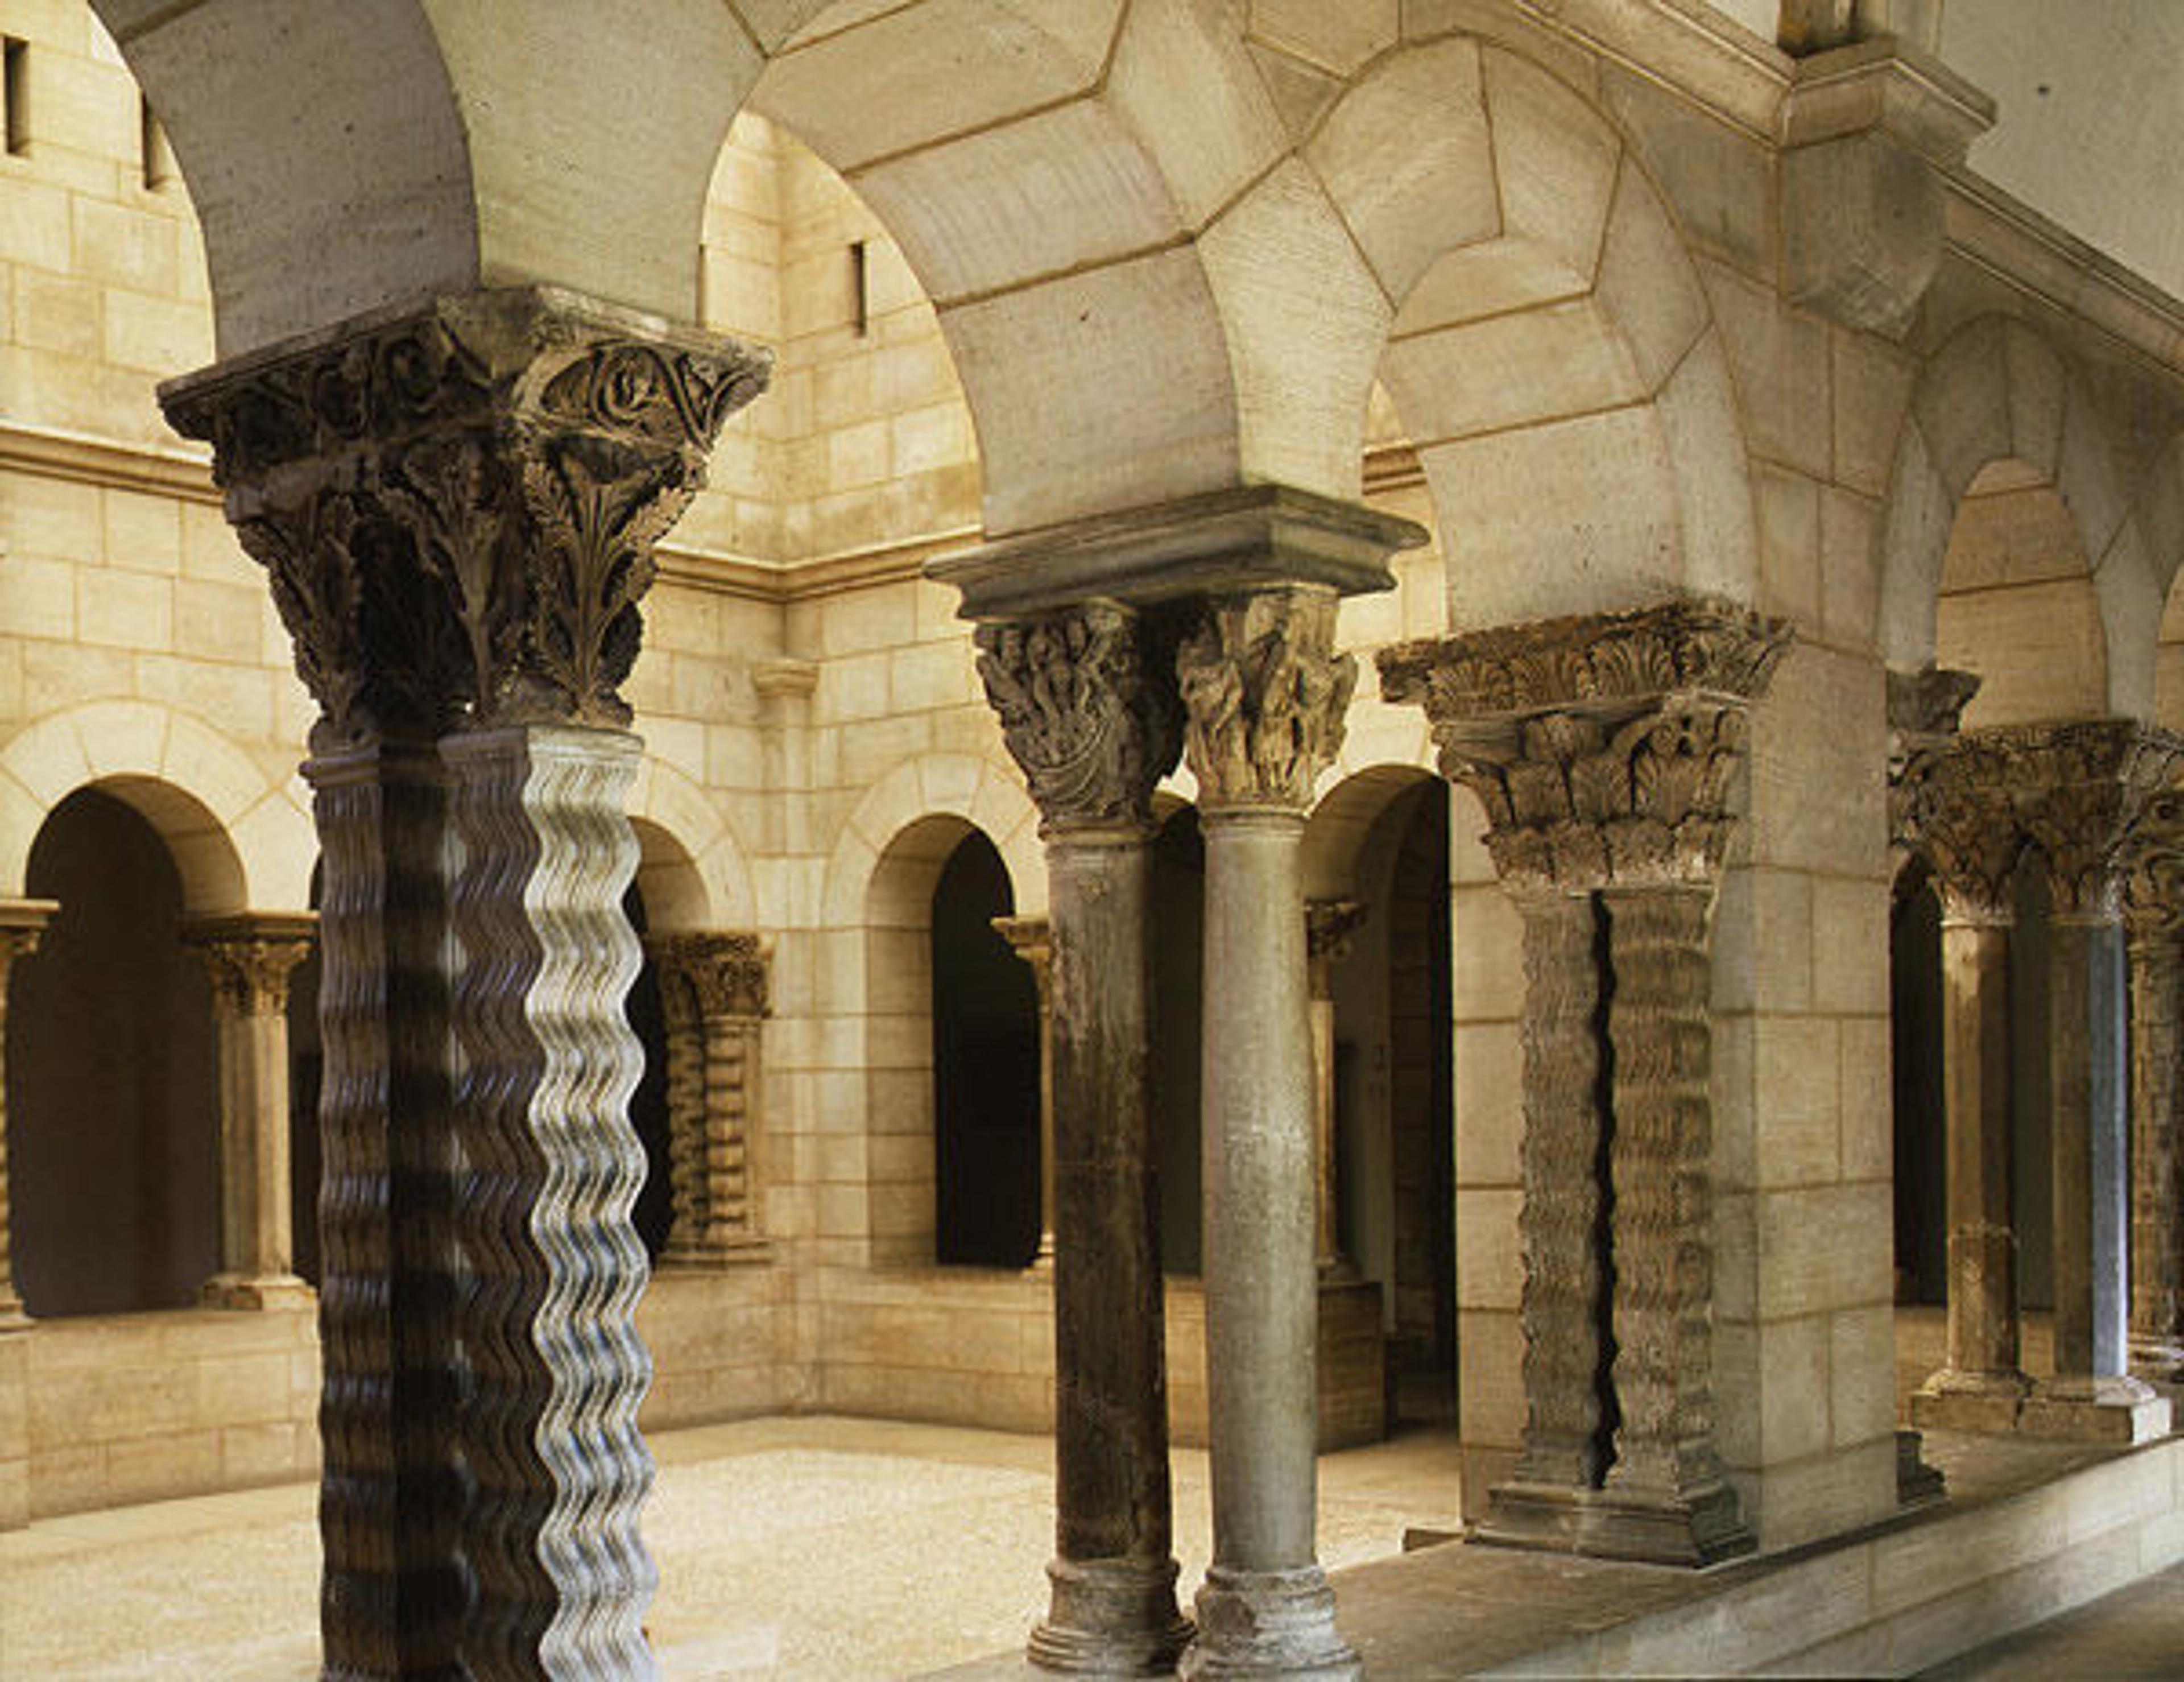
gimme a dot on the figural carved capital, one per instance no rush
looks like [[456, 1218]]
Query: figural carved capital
[[249, 960], [1602, 747], [727, 971], [457, 504], [1264, 696], [1085, 708], [2075, 792], [1925, 710]]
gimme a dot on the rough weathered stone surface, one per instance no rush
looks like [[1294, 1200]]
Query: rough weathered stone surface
[[456, 506], [1602, 749], [2154, 917], [713, 991], [1925, 709], [1090, 715]]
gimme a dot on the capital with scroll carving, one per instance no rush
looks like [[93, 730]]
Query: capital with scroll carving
[[1925, 710], [1086, 709], [2153, 865], [2080, 790], [457, 504]]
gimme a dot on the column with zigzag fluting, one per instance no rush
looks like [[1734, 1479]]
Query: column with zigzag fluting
[[1602, 748], [457, 508]]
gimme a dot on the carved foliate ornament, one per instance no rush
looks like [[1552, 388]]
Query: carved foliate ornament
[[249, 973], [1603, 749], [458, 506], [1925, 710], [1264, 696], [2153, 865], [1085, 709], [727, 971]]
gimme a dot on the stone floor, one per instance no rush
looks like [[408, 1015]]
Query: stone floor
[[812, 1547], [792, 1548]]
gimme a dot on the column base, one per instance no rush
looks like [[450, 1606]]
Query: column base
[[1111, 1617], [2121, 1410], [1955, 1399], [1269, 1623], [1693, 1530], [272, 1291], [743, 1252], [2158, 1361], [1917, 1483]]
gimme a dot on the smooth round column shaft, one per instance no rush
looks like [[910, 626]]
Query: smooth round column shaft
[[2087, 1078], [1265, 1609], [1982, 1306], [1114, 1609]]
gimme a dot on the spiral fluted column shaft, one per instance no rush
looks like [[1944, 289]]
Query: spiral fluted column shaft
[[553, 1167], [391, 1489], [2157, 1152]]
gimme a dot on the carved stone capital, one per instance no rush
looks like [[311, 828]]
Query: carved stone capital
[[2082, 789], [458, 504], [1086, 708], [249, 959], [1329, 928], [726, 971], [2153, 865], [1602, 747], [1925, 710], [1264, 696], [1032, 939], [22, 922]]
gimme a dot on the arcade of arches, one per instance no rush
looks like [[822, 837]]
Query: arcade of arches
[[1153, 720]]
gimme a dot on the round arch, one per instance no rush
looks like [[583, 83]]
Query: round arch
[[962, 786], [1998, 392], [1551, 352], [693, 871], [239, 840]]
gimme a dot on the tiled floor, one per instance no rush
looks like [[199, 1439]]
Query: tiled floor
[[797, 1548]]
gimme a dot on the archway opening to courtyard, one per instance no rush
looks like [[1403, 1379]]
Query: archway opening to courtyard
[[306, 1078], [985, 1070], [654, 1213], [113, 1144]]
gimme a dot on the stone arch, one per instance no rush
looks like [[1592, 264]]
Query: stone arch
[[1512, 229], [1343, 817], [976, 790], [1031, 156], [688, 857], [239, 839], [902, 1121], [1998, 392]]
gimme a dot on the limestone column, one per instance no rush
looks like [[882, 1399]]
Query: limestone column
[[1971, 835], [248, 959], [1265, 695], [2154, 917], [714, 987], [1089, 717], [457, 507], [22, 921], [1328, 926], [2086, 788], [1031, 940], [1603, 750]]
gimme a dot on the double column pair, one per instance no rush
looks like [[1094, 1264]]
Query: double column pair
[[2077, 798], [455, 505], [1604, 750], [1100, 668]]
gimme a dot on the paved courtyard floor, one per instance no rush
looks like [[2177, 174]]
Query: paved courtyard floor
[[821, 1550]]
